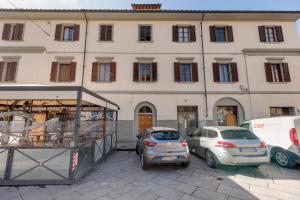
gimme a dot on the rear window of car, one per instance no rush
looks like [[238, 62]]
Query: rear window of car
[[238, 135], [165, 135]]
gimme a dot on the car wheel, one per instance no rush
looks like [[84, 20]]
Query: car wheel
[[210, 159], [283, 159], [144, 163], [185, 164]]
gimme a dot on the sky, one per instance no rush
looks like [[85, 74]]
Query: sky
[[166, 4]]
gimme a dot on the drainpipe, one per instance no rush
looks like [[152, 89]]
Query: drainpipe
[[84, 49], [248, 85], [204, 73]]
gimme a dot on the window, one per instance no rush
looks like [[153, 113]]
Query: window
[[187, 118], [63, 72], [185, 73], [8, 71], [145, 33], [106, 32], [68, 33], [104, 72], [282, 111], [238, 135], [277, 72], [184, 33], [212, 134], [221, 33], [225, 72], [270, 34], [145, 72], [13, 32], [245, 125]]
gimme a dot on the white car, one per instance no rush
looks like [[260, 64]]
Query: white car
[[228, 146], [282, 136]]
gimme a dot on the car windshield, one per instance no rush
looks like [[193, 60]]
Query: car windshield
[[238, 135], [165, 135]]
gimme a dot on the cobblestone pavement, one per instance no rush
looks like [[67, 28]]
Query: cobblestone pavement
[[121, 177]]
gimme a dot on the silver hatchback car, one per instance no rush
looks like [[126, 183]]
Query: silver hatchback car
[[162, 145], [228, 146]]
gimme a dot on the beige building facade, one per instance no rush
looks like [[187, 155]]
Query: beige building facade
[[180, 69]]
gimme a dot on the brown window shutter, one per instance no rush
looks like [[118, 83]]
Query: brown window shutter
[[177, 72], [175, 33], [279, 34], [230, 33], [234, 72], [6, 31], [53, 75], [195, 72], [95, 67], [262, 36], [58, 31], [216, 72], [212, 33], [76, 32], [268, 71], [136, 71], [154, 71], [1, 70], [11, 71], [286, 72], [193, 33], [20, 29], [113, 71], [72, 71]]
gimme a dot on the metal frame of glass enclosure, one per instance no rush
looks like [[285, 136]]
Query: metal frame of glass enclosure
[[53, 134]]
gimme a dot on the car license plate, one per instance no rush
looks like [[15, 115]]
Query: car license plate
[[248, 149], [169, 158]]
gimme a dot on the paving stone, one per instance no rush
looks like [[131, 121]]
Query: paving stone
[[120, 177], [206, 194], [189, 197]]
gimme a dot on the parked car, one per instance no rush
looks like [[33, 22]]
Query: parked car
[[228, 146], [282, 136], [162, 145]]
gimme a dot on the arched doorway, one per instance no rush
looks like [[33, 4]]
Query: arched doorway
[[145, 117], [228, 112]]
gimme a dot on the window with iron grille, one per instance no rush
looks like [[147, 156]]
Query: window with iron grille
[[282, 111], [145, 33]]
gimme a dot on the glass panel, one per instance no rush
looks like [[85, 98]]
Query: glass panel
[[165, 135], [238, 135], [182, 72], [220, 35], [59, 163], [68, 33], [107, 72], [187, 119]]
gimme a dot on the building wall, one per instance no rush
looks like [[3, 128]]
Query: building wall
[[165, 94]]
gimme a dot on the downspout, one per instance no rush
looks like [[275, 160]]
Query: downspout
[[203, 68], [84, 49], [248, 85]]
